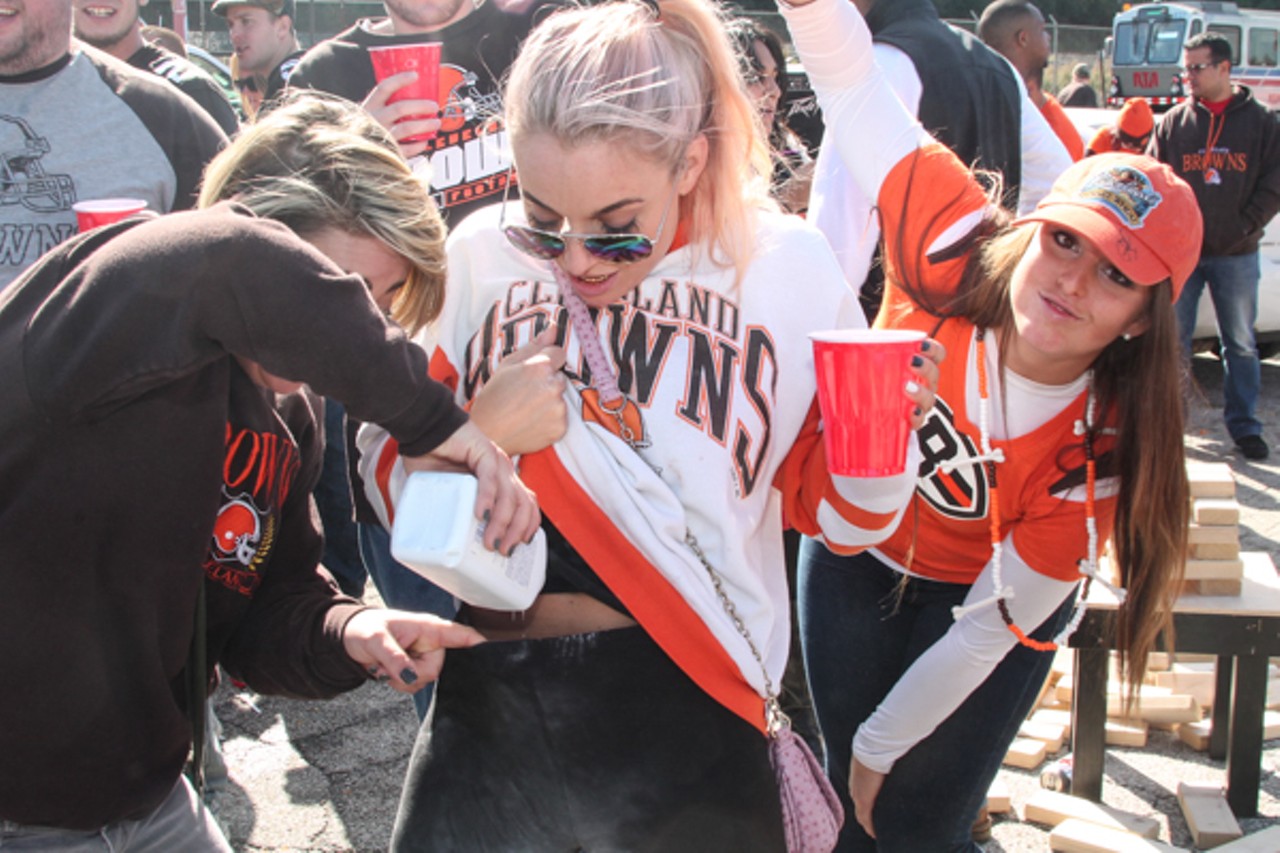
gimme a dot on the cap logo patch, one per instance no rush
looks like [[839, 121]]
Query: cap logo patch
[[1123, 190]]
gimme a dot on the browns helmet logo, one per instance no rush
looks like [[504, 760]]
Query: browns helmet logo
[[238, 533], [957, 492], [461, 101]]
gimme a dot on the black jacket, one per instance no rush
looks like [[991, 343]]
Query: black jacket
[[140, 461], [1238, 183], [970, 99]]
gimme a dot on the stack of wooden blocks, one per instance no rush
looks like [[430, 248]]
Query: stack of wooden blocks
[[1177, 695], [1214, 566]]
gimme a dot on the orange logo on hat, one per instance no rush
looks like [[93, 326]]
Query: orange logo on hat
[[1125, 191]]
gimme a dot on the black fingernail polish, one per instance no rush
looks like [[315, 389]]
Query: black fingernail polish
[[383, 678], [372, 670], [917, 361], [924, 346], [919, 411], [486, 516], [408, 676]]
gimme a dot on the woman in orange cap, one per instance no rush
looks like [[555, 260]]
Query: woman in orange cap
[[1057, 426]]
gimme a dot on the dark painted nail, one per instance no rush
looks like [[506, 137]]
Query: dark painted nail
[[919, 411], [372, 670], [486, 516], [917, 361], [924, 346], [408, 676], [383, 678]]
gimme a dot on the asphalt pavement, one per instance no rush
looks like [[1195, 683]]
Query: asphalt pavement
[[325, 776]]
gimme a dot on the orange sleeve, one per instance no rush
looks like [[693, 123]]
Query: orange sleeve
[[1103, 141], [1062, 126], [805, 485], [926, 193], [802, 477]]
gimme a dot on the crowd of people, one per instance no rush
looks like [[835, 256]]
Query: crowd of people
[[588, 274]]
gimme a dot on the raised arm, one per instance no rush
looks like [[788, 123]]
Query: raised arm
[[871, 128]]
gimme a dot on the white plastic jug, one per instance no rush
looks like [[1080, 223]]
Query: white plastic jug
[[437, 535]]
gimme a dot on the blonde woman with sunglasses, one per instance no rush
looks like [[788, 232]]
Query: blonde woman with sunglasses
[[659, 304]]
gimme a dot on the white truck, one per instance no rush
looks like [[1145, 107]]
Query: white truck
[[1146, 50]]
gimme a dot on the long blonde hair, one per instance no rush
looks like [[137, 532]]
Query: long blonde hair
[[651, 76], [315, 162]]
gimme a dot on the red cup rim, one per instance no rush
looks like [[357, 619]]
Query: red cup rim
[[413, 46], [867, 336], [109, 205]]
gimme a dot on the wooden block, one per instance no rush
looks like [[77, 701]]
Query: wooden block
[[1267, 841], [1218, 534], [1051, 735], [1215, 551], [1046, 689], [1211, 480], [1077, 836], [1055, 717], [1194, 657], [1158, 661], [1126, 733], [1025, 753], [1175, 708], [1215, 511], [1195, 735], [999, 800], [1224, 588], [1199, 682], [1052, 808], [1208, 816], [1199, 570], [1270, 725]]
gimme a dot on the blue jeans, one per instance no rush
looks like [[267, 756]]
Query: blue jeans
[[333, 501], [1233, 287], [403, 589], [861, 628]]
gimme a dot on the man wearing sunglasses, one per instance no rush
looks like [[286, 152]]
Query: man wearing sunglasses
[[1226, 145]]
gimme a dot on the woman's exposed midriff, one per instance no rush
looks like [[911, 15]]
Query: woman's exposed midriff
[[558, 614]]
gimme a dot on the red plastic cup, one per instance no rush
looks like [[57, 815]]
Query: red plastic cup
[[422, 58], [104, 211], [862, 376]]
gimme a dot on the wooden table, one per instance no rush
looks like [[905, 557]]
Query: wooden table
[[1243, 631]]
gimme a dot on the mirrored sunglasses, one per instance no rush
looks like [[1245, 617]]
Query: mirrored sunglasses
[[610, 248]]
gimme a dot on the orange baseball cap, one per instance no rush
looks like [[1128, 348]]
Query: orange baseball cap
[[1134, 210]]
